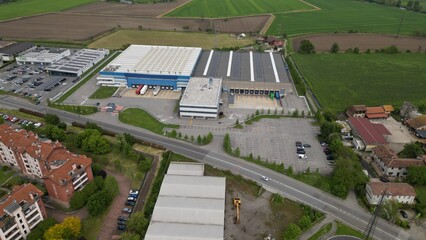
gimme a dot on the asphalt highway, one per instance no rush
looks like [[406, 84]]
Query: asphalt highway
[[353, 216]]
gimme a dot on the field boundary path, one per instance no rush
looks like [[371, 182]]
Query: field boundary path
[[310, 4], [171, 10], [267, 25], [315, 228]]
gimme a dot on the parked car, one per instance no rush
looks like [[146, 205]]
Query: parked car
[[127, 210], [302, 156], [300, 151], [5, 117], [121, 227], [134, 192], [24, 122], [121, 222], [122, 218], [131, 198], [403, 214], [264, 178], [14, 119], [307, 145], [330, 157], [298, 143], [130, 203], [37, 125]]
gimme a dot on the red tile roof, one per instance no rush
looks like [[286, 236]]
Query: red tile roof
[[371, 133], [376, 115], [391, 159], [375, 110], [19, 194], [394, 189]]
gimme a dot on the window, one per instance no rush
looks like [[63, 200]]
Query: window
[[20, 220], [18, 215]]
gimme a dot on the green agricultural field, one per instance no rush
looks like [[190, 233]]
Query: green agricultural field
[[345, 15], [230, 8], [23, 8], [341, 80]]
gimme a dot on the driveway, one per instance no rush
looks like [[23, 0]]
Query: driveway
[[109, 222]]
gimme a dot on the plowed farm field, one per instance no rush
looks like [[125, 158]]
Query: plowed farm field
[[323, 42], [145, 10], [82, 27]]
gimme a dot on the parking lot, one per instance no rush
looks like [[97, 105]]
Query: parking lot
[[32, 81]]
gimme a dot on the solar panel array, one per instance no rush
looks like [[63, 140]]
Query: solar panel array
[[79, 61]]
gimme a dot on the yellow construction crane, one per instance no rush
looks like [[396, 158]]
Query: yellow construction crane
[[237, 203]]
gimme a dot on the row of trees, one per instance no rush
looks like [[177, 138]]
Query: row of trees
[[294, 230], [412, 5], [347, 174], [201, 140]]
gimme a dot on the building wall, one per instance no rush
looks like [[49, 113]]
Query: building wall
[[62, 193], [43, 61], [374, 199], [31, 165], [7, 155], [389, 171]]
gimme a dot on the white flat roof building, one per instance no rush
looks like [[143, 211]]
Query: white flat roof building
[[43, 56], [78, 63], [189, 206], [158, 60], [201, 98]]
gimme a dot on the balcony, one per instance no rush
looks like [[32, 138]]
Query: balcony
[[30, 211], [33, 216], [80, 184], [78, 177], [8, 226], [15, 234], [35, 221]]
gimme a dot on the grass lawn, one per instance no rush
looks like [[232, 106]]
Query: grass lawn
[[21, 115], [345, 15], [341, 80], [5, 174], [90, 227], [24, 8], [323, 230], [103, 92], [139, 118], [421, 194], [228, 8], [117, 39], [345, 230], [82, 110]]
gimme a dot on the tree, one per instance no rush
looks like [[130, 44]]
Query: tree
[[335, 48], [111, 186], [227, 143], [410, 4], [38, 232], [237, 152], [398, 3], [417, 175], [199, 140], [78, 200], [306, 47], [53, 132], [416, 6], [91, 125], [335, 145], [98, 203], [356, 50], [96, 144], [411, 150], [51, 119], [144, 166], [129, 139], [291, 232], [1, 120], [137, 223], [390, 210], [305, 222], [69, 229], [62, 126], [99, 182]]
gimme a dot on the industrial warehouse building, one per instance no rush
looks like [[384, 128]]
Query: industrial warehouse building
[[78, 63], [10, 51], [43, 56], [201, 98], [169, 67], [189, 205]]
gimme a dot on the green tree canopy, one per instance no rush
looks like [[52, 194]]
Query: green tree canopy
[[417, 175], [98, 203], [37, 233], [138, 223], [335, 48], [51, 119], [291, 232], [306, 47], [411, 150]]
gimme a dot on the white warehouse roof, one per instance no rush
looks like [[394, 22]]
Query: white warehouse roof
[[202, 92], [160, 60], [183, 168], [188, 206]]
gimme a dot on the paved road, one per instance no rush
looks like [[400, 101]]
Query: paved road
[[288, 187]]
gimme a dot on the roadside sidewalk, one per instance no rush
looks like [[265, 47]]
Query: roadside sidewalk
[[316, 227]]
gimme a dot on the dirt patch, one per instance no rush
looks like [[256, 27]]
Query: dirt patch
[[81, 27], [146, 10], [323, 42]]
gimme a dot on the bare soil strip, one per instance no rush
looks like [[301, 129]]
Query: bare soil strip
[[323, 42]]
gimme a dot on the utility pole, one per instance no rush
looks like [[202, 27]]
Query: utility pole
[[369, 230], [400, 23]]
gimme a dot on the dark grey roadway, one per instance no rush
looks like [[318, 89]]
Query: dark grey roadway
[[351, 215]]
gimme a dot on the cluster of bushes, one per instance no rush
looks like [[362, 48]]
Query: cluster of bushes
[[388, 50], [297, 79], [347, 174], [91, 140], [309, 216], [49, 229], [54, 129], [97, 195], [411, 5], [200, 140], [124, 145]]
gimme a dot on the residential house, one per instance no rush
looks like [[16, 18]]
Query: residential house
[[388, 163], [62, 171], [401, 192], [356, 111], [376, 113], [20, 212], [371, 134], [388, 109]]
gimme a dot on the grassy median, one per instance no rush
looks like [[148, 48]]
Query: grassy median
[[140, 118]]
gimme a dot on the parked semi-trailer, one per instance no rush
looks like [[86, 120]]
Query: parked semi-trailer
[[138, 90], [157, 90], [143, 90]]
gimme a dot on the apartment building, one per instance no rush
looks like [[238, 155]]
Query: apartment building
[[20, 212], [401, 192], [388, 163], [62, 171]]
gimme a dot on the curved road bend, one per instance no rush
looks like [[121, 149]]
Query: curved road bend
[[288, 187]]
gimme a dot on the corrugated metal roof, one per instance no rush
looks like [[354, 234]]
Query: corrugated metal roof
[[193, 186], [179, 168], [173, 231]]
